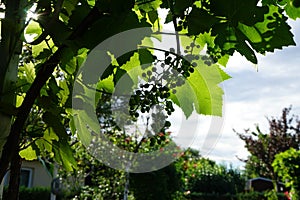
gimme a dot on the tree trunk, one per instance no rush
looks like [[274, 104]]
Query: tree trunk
[[10, 48], [14, 179]]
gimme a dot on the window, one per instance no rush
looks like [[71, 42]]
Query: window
[[25, 178]]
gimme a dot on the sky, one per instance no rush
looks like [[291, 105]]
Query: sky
[[252, 94]]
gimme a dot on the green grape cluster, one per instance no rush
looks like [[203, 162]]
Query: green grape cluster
[[150, 94], [161, 80], [214, 53]]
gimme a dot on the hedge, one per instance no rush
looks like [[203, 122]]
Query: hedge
[[35, 193], [240, 196]]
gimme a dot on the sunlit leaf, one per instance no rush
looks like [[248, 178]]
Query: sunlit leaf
[[28, 153]]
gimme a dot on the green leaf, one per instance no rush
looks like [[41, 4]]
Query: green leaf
[[55, 123], [169, 18], [106, 85], [34, 29], [250, 32], [123, 82], [148, 6], [28, 153], [45, 53], [59, 32], [44, 145], [69, 5], [153, 16], [108, 71], [78, 14], [85, 123], [68, 61], [134, 67], [292, 10], [146, 58], [200, 21], [246, 51], [276, 36], [39, 48], [201, 92], [64, 154], [29, 72], [181, 5]]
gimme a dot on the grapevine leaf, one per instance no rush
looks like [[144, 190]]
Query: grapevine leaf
[[146, 58], [196, 26], [64, 154], [28, 154], [181, 5], [153, 16], [201, 91], [54, 121], [85, 124], [291, 10]]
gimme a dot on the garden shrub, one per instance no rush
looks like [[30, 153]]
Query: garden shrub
[[34, 193], [239, 196]]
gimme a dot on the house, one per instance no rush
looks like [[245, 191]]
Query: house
[[33, 174], [261, 184]]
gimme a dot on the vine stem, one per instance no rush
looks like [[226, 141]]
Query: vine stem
[[174, 20]]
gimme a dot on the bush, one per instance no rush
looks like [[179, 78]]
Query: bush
[[35, 193], [240, 196]]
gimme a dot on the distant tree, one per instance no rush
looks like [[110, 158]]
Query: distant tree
[[284, 133]]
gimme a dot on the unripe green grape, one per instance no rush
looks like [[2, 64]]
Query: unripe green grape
[[146, 85], [296, 3], [159, 142], [166, 95], [179, 69], [191, 70], [173, 85], [207, 63], [138, 92], [186, 74], [152, 141]]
